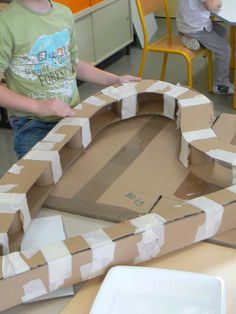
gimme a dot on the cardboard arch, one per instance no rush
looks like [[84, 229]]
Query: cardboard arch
[[25, 187]]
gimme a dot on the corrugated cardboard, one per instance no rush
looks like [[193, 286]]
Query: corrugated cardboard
[[140, 167], [179, 222], [226, 239]]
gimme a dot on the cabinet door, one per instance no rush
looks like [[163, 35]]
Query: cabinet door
[[84, 32], [112, 28]]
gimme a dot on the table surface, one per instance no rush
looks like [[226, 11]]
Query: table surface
[[202, 257], [228, 11]]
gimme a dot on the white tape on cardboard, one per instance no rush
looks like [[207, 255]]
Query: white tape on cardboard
[[213, 212], [78, 107], [151, 227], [158, 86], [112, 92], [130, 84], [47, 146], [10, 203], [227, 157], [15, 169], [6, 187], [82, 122], [4, 241], [194, 101], [129, 107], [170, 100], [13, 264], [102, 250], [127, 90], [59, 262], [54, 138], [169, 106], [232, 188], [52, 156], [95, 101], [33, 289], [188, 137]]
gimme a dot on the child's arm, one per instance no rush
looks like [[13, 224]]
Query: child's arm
[[51, 107], [212, 5], [89, 73]]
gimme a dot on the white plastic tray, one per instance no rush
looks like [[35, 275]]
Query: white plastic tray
[[146, 290]]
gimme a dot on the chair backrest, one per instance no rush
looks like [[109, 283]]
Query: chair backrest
[[146, 7], [149, 6]]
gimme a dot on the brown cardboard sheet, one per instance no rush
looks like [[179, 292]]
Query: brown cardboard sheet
[[227, 239], [128, 179]]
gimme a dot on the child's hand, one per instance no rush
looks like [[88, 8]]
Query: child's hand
[[213, 5], [55, 107], [128, 78]]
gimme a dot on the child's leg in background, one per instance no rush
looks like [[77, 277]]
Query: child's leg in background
[[28, 132], [218, 44]]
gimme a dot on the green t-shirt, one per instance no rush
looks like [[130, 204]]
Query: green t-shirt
[[37, 54]]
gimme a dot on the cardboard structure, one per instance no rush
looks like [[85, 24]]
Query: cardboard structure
[[163, 220]]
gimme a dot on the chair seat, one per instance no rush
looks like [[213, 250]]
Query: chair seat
[[172, 44]]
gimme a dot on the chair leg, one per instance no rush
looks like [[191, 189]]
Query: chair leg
[[234, 97], [143, 59], [163, 69], [190, 72], [210, 71]]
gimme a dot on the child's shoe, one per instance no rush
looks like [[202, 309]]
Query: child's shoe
[[190, 43], [224, 89]]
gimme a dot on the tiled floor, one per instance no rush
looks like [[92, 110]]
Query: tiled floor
[[121, 64]]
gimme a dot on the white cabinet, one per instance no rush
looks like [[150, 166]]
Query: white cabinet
[[84, 29], [103, 29]]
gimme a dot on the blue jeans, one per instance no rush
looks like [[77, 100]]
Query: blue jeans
[[28, 132]]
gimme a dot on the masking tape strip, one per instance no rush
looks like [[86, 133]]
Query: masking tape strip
[[127, 90], [59, 262], [102, 249], [112, 92], [54, 138], [95, 101], [33, 289], [29, 253], [10, 203], [158, 86], [78, 107], [170, 100], [227, 157], [82, 122], [52, 156], [4, 241], [151, 227], [15, 169], [214, 213], [6, 187], [130, 84], [129, 107], [188, 137], [194, 101], [232, 188], [45, 146], [13, 264]]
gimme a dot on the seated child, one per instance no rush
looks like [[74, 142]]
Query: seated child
[[196, 28]]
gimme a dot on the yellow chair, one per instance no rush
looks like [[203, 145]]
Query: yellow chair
[[168, 43]]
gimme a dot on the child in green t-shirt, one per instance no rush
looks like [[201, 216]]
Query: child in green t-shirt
[[39, 62]]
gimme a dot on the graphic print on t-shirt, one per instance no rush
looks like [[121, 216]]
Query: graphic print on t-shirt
[[48, 61]]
